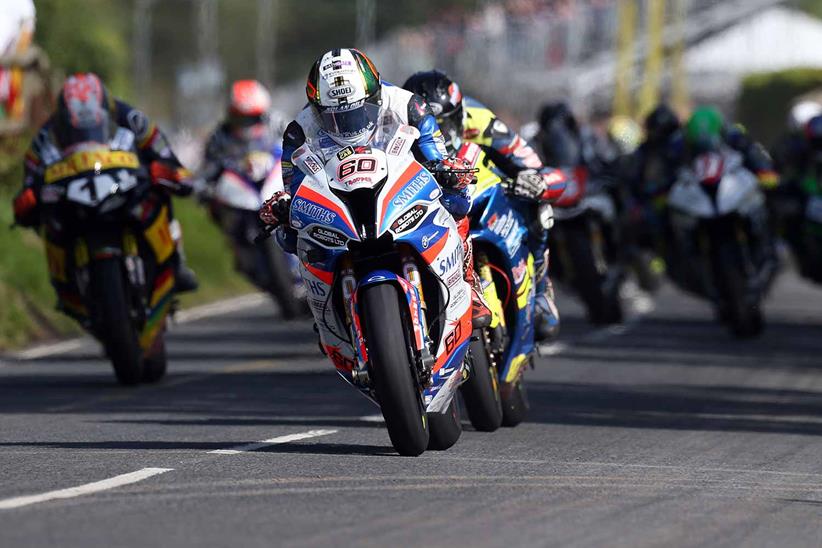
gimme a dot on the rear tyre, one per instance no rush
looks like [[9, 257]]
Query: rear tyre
[[114, 325], [481, 390], [445, 428], [390, 370], [514, 403], [281, 282], [155, 364]]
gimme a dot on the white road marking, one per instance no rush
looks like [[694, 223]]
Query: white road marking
[[43, 350], [372, 418], [218, 308], [86, 489], [273, 441]]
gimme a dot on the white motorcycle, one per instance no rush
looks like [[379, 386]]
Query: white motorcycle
[[383, 264], [722, 247], [241, 189]]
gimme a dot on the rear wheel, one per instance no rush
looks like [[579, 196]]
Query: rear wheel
[[514, 403], [390, 368], [281, 282], [114, 324], [445, 428], [481, 390]]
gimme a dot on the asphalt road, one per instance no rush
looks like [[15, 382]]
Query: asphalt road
[[660, 432]]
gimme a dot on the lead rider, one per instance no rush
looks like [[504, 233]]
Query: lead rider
[[347, 103]]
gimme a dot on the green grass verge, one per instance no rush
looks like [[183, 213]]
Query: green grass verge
[[27, 300]]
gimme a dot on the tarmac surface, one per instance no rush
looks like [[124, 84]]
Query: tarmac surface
[[663, 431]]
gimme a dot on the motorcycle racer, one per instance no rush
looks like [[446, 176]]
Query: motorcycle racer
[[347, 101], [246, 125], [465, 119], [87, 112]]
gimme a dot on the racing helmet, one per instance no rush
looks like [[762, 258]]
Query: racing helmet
[[83, 111], [444, 97], [344, 87], [703, 132], [661, 123], [624, 133], [559, 140], [248, 107], [801, 113]]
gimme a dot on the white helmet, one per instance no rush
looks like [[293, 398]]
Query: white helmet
[[344, 89], [801, 113]]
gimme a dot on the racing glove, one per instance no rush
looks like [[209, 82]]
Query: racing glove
[[25, 207], [176, 179], [530, 184], [275, 210], [453, 173]]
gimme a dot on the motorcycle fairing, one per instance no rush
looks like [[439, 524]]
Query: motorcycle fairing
[[407, 189], [497, 213]]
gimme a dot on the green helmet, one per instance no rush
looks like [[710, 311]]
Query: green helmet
[[704, 129]]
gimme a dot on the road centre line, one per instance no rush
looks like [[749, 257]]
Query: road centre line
[[85, 489], [273, 441]]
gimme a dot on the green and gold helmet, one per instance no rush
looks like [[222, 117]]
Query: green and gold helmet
[[344, 88]]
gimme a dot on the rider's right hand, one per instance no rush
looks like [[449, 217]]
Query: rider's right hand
[[274, 211]]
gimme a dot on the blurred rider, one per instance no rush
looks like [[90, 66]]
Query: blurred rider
[[246, 127], [463, 119], [347, 102], [87, 112]]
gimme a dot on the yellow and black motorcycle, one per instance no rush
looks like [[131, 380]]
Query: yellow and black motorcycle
[[111, 255]]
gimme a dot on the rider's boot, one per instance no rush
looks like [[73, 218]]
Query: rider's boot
[[480, 312], [546, 325], [185, 278]]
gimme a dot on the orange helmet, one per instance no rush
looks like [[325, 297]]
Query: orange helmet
[[248, 107]]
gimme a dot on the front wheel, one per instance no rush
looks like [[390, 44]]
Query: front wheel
[[281, 282], [390, 368], [589, 266], [481, 390], [155, 363], [114, 325], [741, 310], [445, 427], [514, 403]]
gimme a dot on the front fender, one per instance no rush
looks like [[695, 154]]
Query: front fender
[[412, 298]]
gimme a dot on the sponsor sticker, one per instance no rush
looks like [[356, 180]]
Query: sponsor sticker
[[409, 219], [328, 236], [412, 188], [313, 211]]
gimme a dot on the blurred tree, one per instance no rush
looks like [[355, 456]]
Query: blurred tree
[[87, 35]]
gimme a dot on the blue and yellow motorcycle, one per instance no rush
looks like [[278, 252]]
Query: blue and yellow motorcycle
[[495, 392]]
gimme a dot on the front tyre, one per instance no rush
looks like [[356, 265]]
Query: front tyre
[[481, 391], [514, 403], [156, 362], [390, 368], [445, 427], [114, 325], [281, 282]]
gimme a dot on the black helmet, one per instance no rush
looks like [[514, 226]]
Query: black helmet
[[82, 113], [661, 123], [445, 99], [558, 113]]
